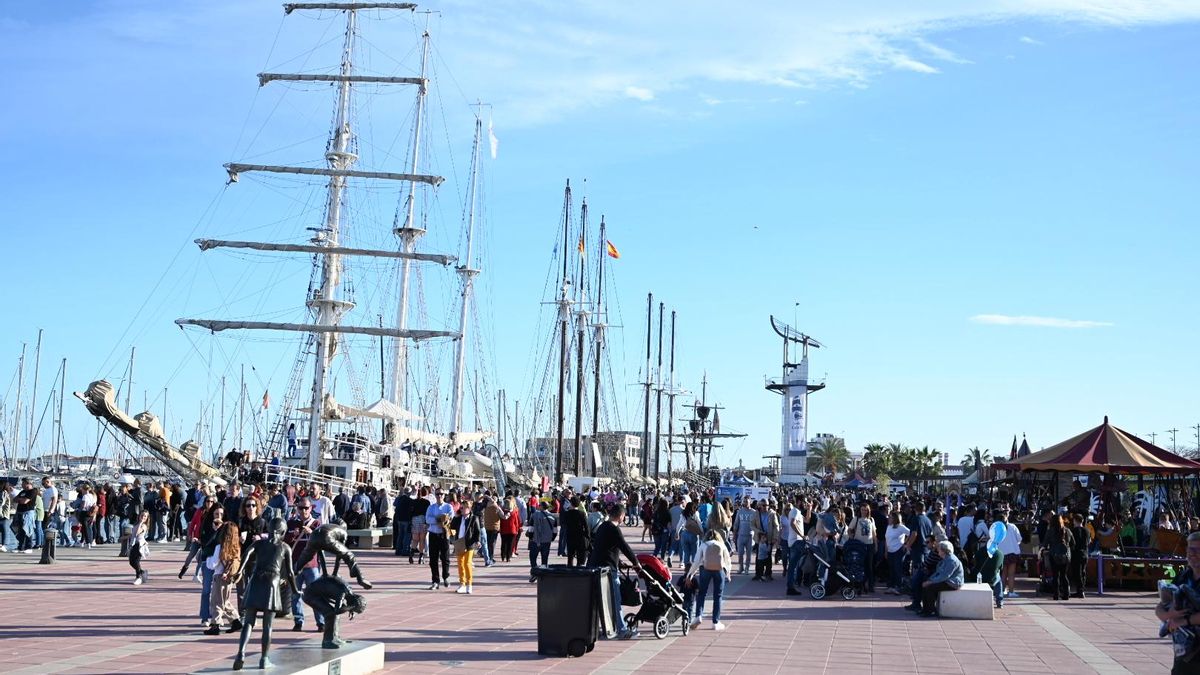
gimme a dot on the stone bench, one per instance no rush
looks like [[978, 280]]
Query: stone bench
[[369, 538], [971, 601]]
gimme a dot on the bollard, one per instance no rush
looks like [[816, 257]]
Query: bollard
[[48, 545]]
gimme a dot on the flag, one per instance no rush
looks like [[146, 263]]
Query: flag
[[493, 142], [612, 250], [266, 400], [716, 422], [581, 250]]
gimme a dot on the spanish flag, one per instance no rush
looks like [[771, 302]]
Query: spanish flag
[[266, 400], [581, 250], [612, 250]]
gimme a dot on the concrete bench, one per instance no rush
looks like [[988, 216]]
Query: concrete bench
[[369, 538], [971, 601]]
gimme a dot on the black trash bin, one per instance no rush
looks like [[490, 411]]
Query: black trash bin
[[568, 608]]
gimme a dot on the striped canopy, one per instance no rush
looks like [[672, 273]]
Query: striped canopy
[[1105, 449]]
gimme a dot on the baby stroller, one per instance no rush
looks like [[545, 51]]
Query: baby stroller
[[832, 577], [661, 604]]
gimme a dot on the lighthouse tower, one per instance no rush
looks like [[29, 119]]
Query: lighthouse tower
[[794, 386]]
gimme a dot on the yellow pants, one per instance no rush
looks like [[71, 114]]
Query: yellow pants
[[466, 567]]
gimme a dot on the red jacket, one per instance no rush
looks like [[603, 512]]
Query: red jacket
[[511, 524]]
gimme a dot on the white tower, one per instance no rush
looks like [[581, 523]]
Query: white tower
[[795, 386]]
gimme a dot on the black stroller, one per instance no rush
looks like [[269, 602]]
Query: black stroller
[[846, 577], [661, 604]]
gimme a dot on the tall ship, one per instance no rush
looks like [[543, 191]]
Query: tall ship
[[389, 383]]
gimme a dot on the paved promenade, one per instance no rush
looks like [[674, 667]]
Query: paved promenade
[[82, 615]]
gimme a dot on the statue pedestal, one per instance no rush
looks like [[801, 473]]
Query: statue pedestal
[[307, 658]]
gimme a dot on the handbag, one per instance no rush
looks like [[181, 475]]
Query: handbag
[[460, 546]]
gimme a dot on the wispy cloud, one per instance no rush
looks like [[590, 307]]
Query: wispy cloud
[[1025, 39], [1036, 321], [639, 93]]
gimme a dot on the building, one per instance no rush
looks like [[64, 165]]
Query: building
[[607, 446]]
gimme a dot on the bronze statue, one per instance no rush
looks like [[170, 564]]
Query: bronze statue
[[331, 538], [329, 597], [266, 561]]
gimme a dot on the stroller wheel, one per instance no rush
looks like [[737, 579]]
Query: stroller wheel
[[685, 624], [849, 593], [631, 621], [817, 591], [661, 627]]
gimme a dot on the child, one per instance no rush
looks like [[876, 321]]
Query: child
[[762, 565]]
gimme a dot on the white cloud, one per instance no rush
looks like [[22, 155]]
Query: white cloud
[[1036, 321], [639, 93], [1025, 39]]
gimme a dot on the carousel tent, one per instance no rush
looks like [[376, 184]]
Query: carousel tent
[[1104, 449]]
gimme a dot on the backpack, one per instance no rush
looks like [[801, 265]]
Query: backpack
[[1059, 553], [712, 557]]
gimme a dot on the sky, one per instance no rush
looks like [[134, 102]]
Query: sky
[[985, 211]]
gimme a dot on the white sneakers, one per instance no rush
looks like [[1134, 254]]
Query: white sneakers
[[433, 586], [695, 624], [3, 548], [718, 626], [138, 581], [462, 589], [468, 589]]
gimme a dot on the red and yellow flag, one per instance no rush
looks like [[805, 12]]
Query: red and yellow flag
[[612, 250], [266, 400], [581, 250]]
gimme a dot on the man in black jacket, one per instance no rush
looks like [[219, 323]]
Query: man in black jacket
[[608, 545], [402, 512], [576, 533]]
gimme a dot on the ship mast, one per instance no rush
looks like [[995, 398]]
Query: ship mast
[[581, 319], [468, 275], [408, 233], [564, 317]]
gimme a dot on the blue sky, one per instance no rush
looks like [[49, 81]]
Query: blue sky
[[887, 179]]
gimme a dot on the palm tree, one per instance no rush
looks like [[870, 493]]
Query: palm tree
[[977, 458], [829, 454], [876, 460]]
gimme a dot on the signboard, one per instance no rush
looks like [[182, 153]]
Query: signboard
[[735, 493]]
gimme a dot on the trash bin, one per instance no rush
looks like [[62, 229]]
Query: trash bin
[[568, 608]]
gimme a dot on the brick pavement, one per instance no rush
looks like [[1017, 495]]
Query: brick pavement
[[82, 616]]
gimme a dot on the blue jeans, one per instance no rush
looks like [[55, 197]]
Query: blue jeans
[[303, 578], [662, 544], [745, 552], [485, 552], [205, 592], [114, 528], [796, 553], [39, 532], [896, 568], [6, 534], [26, 532], [402, 536], [534, 550], [614, 576], [918, 577], [689, 543], [717, 581]]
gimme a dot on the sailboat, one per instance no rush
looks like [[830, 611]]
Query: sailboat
[[338, 437]]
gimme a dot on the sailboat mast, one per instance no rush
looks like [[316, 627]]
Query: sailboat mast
[[408, 233], [37, 366], [671, 405], [564, 316], [468, 274], [581, 319], [242, 412], [658, 397], [17, 413], [646, 415], [325, 302], [598, 336]]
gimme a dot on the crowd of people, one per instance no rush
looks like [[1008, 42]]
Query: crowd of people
[[915, 546]]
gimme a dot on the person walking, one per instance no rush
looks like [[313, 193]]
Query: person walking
[[139, 548], [27, 501], [895, 537], [86, 514], [510, 525], [743, 534], [576, 533], [712, 565], [420, 529], [690, 532], [1077, 573], [492, 516], [542, 530], [225, 562], [465, 529], [1060, 545], [437, 518], [862, 529], [608, 545], [6, 511], [402, 510]]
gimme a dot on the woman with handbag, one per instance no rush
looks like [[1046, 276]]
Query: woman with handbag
[[86, 513], [225, 562], [690, 532], [510, 526], [139, 548], [465, 529], [1060, 541]]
